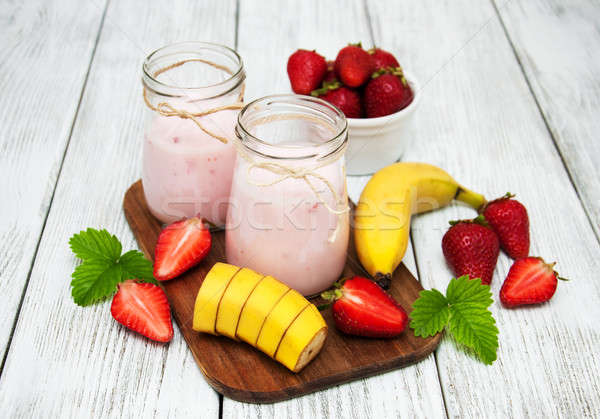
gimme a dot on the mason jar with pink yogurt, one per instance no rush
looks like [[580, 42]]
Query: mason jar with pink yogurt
[[288, 215], [192, 92]]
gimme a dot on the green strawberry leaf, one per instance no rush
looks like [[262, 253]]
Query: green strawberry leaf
[[135, 266], [464, 290], [430, 313], [94, 280], [98, 244], [464, 310], [473, 326], [103, 266]]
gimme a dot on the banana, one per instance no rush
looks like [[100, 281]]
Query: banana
[[261, 311], [385, 207]]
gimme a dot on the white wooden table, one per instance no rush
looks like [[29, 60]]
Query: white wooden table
[[510, 102]]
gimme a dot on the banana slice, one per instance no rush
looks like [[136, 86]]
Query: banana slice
[[207, 302], [303, 340], [258, 306], [278, 321], [232, 302]]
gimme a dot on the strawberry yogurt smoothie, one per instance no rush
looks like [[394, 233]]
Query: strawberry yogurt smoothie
[[188, 156], [186, 172], [288, 216]]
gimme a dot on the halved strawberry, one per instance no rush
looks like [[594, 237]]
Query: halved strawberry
[[529, 281], [143, 308], [180, 246], [363, 308]]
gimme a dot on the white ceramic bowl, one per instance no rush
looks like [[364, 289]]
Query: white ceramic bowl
[[374, 143]]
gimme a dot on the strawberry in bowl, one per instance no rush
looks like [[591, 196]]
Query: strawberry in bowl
[[370, 87]]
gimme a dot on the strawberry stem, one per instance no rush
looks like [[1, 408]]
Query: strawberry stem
[[326, 87]]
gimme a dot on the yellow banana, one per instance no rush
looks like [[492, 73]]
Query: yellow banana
[[259, 310], [392, 195]]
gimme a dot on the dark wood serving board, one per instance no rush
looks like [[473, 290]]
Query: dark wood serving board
[[243, 373]]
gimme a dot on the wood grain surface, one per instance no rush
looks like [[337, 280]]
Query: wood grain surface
[[506, 105], [496, 141], [69, 361], [41, 83], [243, 373], [557, 44]]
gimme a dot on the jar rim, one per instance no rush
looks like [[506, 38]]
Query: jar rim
[[326, 149], [151, 81]]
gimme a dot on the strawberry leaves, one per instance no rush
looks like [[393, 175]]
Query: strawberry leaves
[[464, 310], [430, 313], [103, 266]]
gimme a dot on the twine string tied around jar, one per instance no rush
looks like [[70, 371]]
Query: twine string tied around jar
[[285, 171], [166, 109]]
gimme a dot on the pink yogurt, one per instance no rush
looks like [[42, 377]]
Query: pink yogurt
[[187, 172], [283, 230]]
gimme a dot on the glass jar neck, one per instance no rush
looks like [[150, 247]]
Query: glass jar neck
[[292, 129], [193, 71]]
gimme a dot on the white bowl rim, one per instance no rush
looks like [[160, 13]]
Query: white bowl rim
[[368, 122]]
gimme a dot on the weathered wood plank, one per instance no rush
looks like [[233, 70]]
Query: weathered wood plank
[[41, 82], [478, 119], [67, 361], [267, 35], [557, 44]]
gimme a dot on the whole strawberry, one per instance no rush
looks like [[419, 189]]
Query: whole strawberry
[[306, 70], [353, 65], [346, 99], [363, 308], [386, 94], [383, 59], [530, 280], [471, 248], [508, 217]]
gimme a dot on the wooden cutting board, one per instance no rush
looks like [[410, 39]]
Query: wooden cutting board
[[243, 373]]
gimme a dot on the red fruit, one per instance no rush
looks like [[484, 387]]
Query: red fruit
[[383, 59], [386, 94], [529, 281], [508, 217], [143, 308], [306, 70], [471, 249], [346, 99], [363, 308], [180, 246], [354, 66]]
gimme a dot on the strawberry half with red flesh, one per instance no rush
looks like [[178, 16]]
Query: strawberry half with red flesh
[[354, 66], [306, 70], [383, 59], [363, 308], [386, 94], [508, 217], [143, 308], [530, 280], [180, 246], [471, 248], [346, 99]]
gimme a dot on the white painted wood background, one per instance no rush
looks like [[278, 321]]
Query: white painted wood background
[[509, 103]]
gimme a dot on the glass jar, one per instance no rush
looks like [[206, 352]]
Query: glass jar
[[288, 215], [193, 92]]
